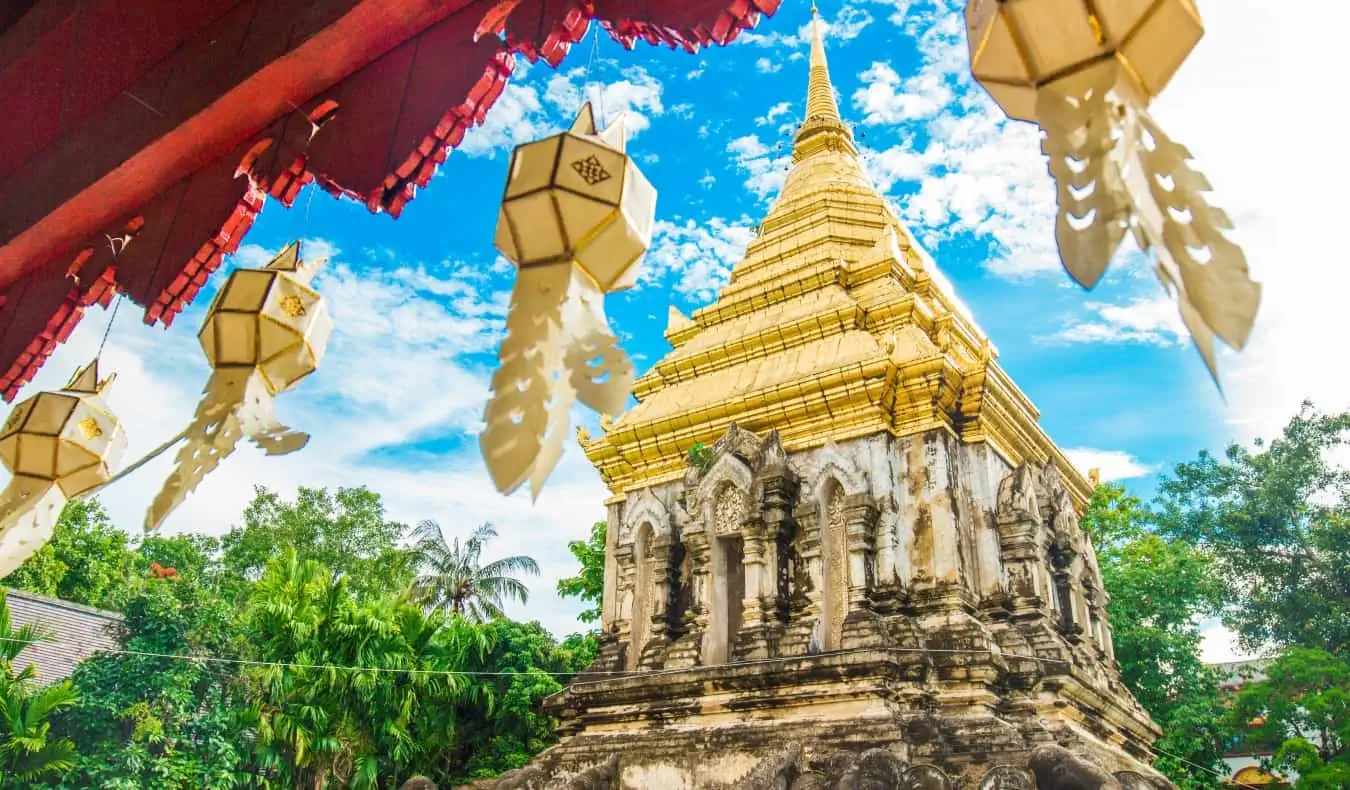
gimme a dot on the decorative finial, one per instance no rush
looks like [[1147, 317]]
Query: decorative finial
[[813, 8]]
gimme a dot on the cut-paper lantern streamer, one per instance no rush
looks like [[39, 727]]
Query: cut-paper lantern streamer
[[576, 219], [1086, 71], [266, 330]]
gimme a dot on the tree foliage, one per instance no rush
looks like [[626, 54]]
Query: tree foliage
[[345, 531], [452, 575], [1159, 587], [28, 750], [235, 658], [589, 582], [1302, 709], [1277, 520]]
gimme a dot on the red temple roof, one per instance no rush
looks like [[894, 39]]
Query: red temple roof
[[140, 138]]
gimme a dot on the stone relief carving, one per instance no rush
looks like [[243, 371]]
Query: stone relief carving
[[1008, 777], [1017, 497], [726, 469], [925, 777], [729, 511]]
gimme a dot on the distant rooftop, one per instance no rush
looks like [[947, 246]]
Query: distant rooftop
[[74, 632]]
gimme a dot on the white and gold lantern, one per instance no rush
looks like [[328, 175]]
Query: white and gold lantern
[[576, 219], [265, 331], [1085, 71], [58, 445]]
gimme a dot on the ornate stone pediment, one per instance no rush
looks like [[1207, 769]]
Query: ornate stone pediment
[[831, 464], [644, 508]]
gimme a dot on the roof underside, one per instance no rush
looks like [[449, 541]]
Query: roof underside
[[145, 137]]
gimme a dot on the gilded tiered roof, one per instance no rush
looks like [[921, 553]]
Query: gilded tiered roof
[[835, 325]]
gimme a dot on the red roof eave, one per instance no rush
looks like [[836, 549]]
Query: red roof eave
[[367, 106]]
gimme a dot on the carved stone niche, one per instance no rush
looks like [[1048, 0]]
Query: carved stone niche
[[644, 551]]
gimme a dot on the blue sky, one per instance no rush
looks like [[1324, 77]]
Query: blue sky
[[419, 302]]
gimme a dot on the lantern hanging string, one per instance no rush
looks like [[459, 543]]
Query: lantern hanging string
[[586, 78], [142, 461], [107, 330]]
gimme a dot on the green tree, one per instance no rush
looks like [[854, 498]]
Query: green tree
[[502, 723], [386, 715], [149, 718], [87, 560], [344, 531], [1302, 708], [453, 577], [1159, 588], [1277, 520], [28, 750], [589, 582]]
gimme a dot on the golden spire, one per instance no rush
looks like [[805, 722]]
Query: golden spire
[[822, 112]]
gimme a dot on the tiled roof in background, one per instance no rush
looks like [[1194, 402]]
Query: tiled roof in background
[[74, 632]]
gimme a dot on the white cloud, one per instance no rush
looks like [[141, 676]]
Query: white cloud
[[1113, 464], [396, 375], [521, 114], [1274, 174], [1153, 320], [765, 168], [886, 99], [775, 112], [846, 26], [766, 66], [697, 256]]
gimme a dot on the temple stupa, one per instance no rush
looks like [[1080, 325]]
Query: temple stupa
[[869, 572]]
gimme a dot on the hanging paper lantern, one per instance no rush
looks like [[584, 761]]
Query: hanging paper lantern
[[58, 445], [576, 220], [1086, 72], [265, 331]]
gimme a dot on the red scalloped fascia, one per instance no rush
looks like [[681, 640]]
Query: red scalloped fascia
[[399, 187]]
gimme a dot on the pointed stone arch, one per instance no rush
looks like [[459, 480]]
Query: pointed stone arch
[[645, 507], [640, 627], [725, 498], [835, 478], [833, 464], [726, 470]]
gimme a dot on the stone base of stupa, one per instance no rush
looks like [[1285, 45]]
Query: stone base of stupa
[[861, 718]]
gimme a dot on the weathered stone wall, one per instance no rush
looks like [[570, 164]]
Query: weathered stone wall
[[912, 597]]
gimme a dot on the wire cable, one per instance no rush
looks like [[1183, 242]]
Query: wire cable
[[243, 662]]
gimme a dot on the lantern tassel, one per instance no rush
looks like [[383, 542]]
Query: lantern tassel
[[558, 350], [29, 508], [1114, 170], [236, 404]]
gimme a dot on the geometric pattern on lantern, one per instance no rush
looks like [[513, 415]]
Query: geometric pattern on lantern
[[58, 445], [576, 218], [266, 330]]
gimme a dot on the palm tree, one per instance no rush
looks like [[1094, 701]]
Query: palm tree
[[451, 576], [26, 749]]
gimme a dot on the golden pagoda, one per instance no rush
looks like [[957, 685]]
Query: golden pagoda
[[841, 553], [835, 325]]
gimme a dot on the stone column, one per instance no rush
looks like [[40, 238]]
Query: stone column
[[758, 603], [806, 602], [609, 600], [687, 650], [860, 519], [624, 595], [780, 490], [659, 640]]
